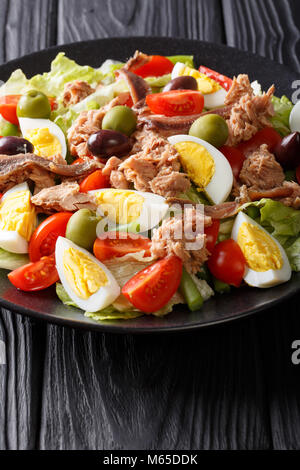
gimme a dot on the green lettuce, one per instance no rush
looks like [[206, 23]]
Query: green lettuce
[[185, 59], [52, 83], [12, 261], [293, 252], [280, 121], [195, 196]]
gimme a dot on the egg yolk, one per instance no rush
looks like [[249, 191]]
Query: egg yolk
[[205, 84], [120, 206], [17, 214], [45, 144], [84, 276], [197, 162], [260, 250]]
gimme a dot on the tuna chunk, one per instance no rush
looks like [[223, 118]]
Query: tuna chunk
[[155, 167], [63, 197], [88, 123], [261, 170], [76, 91], [249, 113], [293, 200], [179, 236]]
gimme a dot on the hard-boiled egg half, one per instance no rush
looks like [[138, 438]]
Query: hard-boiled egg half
[[295, 118], [214, 94], [130, 210], [17, 219], [47, 137], [205, 165], [267, 262], [87, 281]]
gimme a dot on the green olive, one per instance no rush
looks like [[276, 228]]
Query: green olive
[[212, 128], [8, 129], [121, 119], [81, 228], [34, 104]]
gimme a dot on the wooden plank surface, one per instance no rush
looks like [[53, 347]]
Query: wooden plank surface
[[229, 387]]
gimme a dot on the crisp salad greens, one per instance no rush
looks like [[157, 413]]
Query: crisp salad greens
[[280, 121], [12, 260]]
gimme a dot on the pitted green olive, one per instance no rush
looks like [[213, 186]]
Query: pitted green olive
[[121, 119], [34, 104], [212, 128], [81, 228]]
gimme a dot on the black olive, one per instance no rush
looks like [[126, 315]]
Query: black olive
[[185, 82], [107, 143], [287, 153], [13, 145]]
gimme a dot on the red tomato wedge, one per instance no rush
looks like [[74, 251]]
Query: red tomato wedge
[[224, 81], [157, 66], [152, 288], [235, 157], [35, 276], [298, 174], [8, 107], [212, 233], [117, 244], [227, 262], [176, 102], [43, 239], [95, 180], [268, 136]]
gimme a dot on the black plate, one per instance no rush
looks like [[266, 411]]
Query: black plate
[[219, 309]]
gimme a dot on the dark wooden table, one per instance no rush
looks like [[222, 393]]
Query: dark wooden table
[[231, 387]]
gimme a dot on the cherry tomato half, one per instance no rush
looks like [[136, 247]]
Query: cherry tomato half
[[43, 239], [224, 81], [35, 276], [95, 180], [156, 67], [268, 136], [176, 102], [117, 244], [235, 157], [227, 262], [212, 233], [153, 287]]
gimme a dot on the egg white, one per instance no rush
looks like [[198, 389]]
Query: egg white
[[269, 278], [105, 296], [295, 118], [27, 124], [219, 187], [211, 100], [153, 211], [10, 240]]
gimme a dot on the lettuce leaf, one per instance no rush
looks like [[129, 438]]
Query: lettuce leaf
[[64, 70], [185, 59], [293, 252], [12, 261], [52, 83], [280, 121]]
